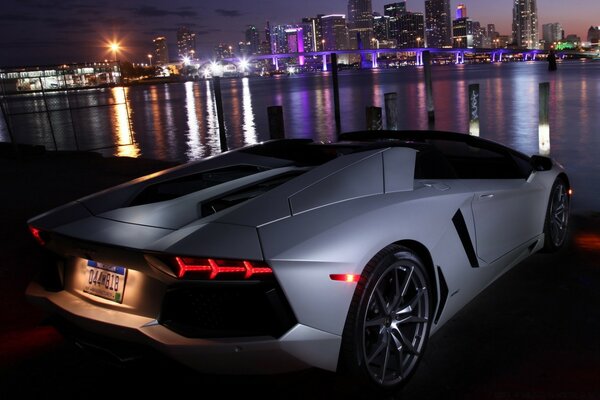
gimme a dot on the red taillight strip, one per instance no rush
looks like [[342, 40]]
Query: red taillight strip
[[37, 234], [216, 267], [345, 277]]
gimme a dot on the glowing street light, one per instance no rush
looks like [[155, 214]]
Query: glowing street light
[[114, 47], [244, 65], [418, 42], [150, 59], [375, 42]]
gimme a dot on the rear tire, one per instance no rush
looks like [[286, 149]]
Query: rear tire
[[557, 216], [388, 323]]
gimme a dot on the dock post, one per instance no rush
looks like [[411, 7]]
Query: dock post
[[276, 125], [428, 86], [391, 111], [374, 122], [544, 123], [473, 102], [336, 94], [220, 118]]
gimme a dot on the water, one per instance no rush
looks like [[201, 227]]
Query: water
[[178, 121]]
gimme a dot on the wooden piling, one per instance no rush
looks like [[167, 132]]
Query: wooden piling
[[276, 125], [220, 118], [544, 123], [428, 86], [391, 111], [473, 103], [336, 94], [374, 122]]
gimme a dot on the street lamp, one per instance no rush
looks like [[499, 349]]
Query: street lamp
[[150, 59], [322, 44], [458, 40], [114, 47], [375, 42], [418, 42]]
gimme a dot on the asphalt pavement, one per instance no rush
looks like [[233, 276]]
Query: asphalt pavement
[[533, 334]]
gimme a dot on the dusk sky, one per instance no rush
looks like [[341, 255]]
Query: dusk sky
[[40, 32]]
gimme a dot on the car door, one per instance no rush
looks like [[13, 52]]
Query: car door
[[504, 200]]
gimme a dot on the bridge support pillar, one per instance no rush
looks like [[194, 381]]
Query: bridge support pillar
[[374, 60], [324, 62], [276, 63]]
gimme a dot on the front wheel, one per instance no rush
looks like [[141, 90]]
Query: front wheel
[[557, 216], [389, 319]]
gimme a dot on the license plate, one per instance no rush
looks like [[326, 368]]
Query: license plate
[[105, 281]]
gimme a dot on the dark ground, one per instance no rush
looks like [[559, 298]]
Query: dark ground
[[533, 334]]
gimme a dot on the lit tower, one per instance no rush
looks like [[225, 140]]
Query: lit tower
[[438, 24], [161, 54], [461, 11], [186, 42], [524, 27], [360, 23], [252, 39], [335, 34]]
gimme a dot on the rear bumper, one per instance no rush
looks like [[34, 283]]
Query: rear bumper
[[299, 348]]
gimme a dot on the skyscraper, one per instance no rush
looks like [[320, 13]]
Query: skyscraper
[[394, 11], [360, 23], [161, 53], [552, 33], [335, 34], [186, 42], [438, 23], [410, 30], [525, 24], [461, 11], [593, 35], [252, 39]]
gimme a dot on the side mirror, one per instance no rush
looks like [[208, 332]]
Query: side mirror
[[540, 163]]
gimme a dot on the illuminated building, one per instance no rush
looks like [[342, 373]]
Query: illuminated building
[[593, 35], [462, 29], [279, 38], [381, 27], [393, 11], [360, 24], [252, 40], [161, 53], [524, 26], [335, 34], [295, 40], [312, 33], [438, 24], [411, 29], [462, 33], [186, 43], [461, 11], [552, 33]]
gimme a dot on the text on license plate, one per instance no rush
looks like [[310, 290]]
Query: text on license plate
[[105, 281]]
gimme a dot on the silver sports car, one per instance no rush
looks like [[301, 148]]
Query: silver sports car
[[291, 254]]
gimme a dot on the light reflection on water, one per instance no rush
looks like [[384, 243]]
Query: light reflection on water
[[121, 122], [178, 121]]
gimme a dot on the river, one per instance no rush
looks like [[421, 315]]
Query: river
[[178, 121]]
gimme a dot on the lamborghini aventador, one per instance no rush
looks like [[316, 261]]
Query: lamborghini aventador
[[291, 254]]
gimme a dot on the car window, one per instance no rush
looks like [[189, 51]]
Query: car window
[[479, 162], [432, 164]]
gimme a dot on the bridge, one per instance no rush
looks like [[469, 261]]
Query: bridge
[[458, 54]]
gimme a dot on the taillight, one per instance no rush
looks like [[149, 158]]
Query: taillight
[[38, 234], [212, 268]]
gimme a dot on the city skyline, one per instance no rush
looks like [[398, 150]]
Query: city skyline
[[37, 32]]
